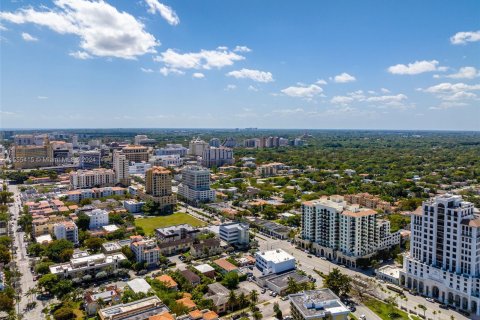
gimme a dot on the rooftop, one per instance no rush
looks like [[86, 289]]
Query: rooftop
[[318, 303], [204, 268], [139, 285], [275, 256]]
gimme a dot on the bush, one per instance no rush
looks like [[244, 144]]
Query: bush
[[64, 313]]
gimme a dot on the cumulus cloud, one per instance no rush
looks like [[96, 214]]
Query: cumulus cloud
[[42, 97], [103, 30], [341, 100], [372, 99], [198, 75], [344, 78], [416, 67], [464, 37], [168, 71], [303, 91], [384, 90], [242, 49], [255, 75], [230, 87], [453, 91], [464, 73], [166, 12], [146, 70], [205, 59], [28, 37], [82, 55]]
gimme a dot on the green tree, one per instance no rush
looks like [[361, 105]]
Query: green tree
[[48, 282], [64, 313], [232, 300], [253, 297], [277, 311], [422, 307], [94, 244], [338, 282], [6, 302], [292, 286], [83, 221], [43, 267], [59, 250], [230, 280]]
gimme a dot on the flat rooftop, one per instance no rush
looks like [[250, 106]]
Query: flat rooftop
[[318, 303], [275, 256]]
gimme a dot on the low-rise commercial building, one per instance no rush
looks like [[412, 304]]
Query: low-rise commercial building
[[133, 206], [274, 261], [177, 232], [235, 233], [139, 310], [317, 305]]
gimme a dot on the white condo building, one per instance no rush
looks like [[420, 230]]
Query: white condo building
[[120, 166], [274, 261], [84, 179], [139, 167], [171, 149], [66, 230], [196, 147], [444, 258], [344, 233], [145, 250], [195, 185], [98, 218], [171, 160], [218, 157], [235, 233]]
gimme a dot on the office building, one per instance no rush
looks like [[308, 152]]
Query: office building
[[83, 179], [195, 185], [178, 232], [82, 264], [136, 153], [235, 233], [66, 230], [317, 305], [217, 157], [171, 149], [158, 188], [214, 142], [121, 168], [98, 218], [344, 233], [139, 168], [196, 147], [141, 309], [444, 258], [88, 160], [274, 261]]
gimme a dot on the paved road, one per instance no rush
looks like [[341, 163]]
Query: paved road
[[308, 264], [26, 281]]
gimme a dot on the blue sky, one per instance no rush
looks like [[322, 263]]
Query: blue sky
[[223, 64]]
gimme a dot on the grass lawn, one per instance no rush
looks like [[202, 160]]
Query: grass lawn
[[382, 310], [152, 223]]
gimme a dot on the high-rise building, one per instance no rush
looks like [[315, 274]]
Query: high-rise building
[[75, 141], [136, 153], [195, 185], [83, 179], [143, 140], [32, 156], [172, 149], [217, 157], [344, 233], [89, 159], [98, 218], [214, 142], [196, 147], [158, 188], [444, 258], [66, 230], [121, 168]]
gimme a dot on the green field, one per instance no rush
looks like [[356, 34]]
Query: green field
[[383, 311], [150, 224]]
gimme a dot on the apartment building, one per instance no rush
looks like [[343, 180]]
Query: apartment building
[[98, 218], [444, 258], [83, 179], [171, 160], [133, 206], [195, 185], [121, 168], [368, 201], [274, 261], [139, 167], [44, 225], [88, 160], [344, 233], [145, 250], [94, 193], [83, 264], [235, 233], [177, 232], [32, 156], [66, 230], [136, 153], [217, 157], [158, 188], [269, 169], [172, 149], [196, 147], [317, 305]]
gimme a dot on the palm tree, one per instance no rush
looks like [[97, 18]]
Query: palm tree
[[257, 315], [292, 286], [421, 306], [242, 300], [232, 300], [253, 296]]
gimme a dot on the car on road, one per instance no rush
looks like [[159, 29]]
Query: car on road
[[263, 290], [443, 306], [352, 308], [270, 293], [309, 256], [362, 317], [323, 258], [430, 300]]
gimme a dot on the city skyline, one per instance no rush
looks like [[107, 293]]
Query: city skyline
[[293, 65]]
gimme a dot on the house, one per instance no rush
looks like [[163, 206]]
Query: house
[[174, 247], [164, 315], [206, 248], [225, 265], [219, 295], [206, 270], [110, 296], [187, 302], [139, 285], [167, 281], [203, 314], [191, 277]]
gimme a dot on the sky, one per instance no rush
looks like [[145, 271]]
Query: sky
[[232, 64]]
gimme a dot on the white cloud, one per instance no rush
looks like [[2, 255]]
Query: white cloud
[[103, 30], [384, 90], [205, 59], [255, 75], [2, 28], [242, 49], [447, 87], [82, 55], [146, 70], [461, 95], [465, 73], [252, 88], [341, 100], [198, 75], [230, 87], [288, 111], [387, 99], [464, 37], [168, 71], [166, 12], [344, 78], [42, 97], [416, 67], [321, 82], [28, 37], [306, 92], [448, 105], [359, 97]]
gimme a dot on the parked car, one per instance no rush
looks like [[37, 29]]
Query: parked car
[[264, 290], [274, 294], [430, 300], [309, 256], [443, 306]]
